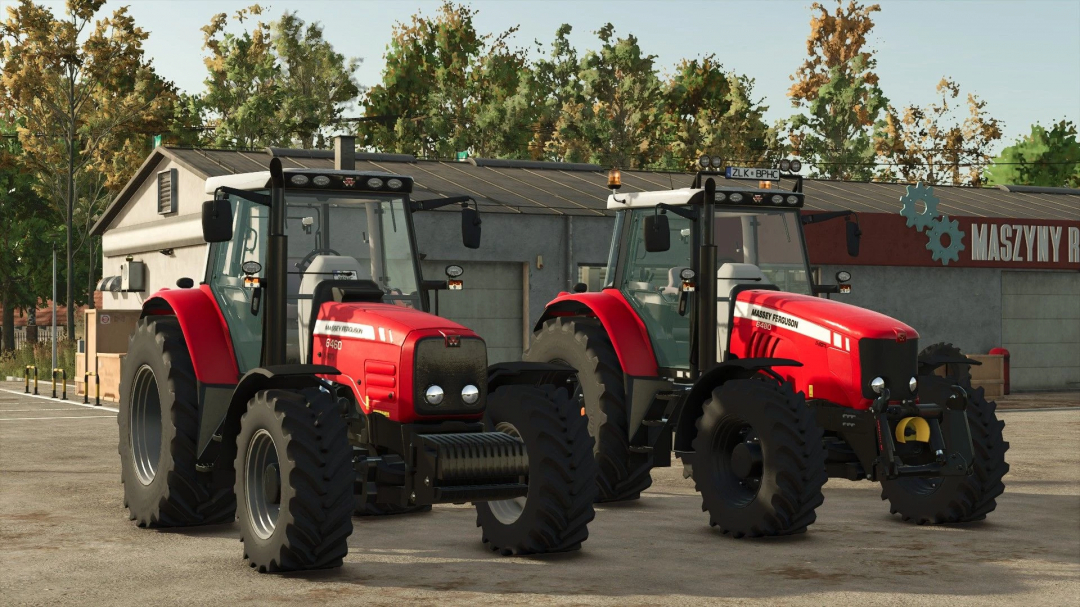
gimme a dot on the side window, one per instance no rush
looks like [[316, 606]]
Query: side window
[[250, 228], [651, 284]]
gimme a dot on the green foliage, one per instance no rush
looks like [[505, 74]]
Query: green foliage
[[15, 362], [713, 113], [1043, 158], [280, 84]]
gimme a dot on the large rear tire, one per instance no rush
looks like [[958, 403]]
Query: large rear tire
[[955, 499], [294, 481], [555, 515], [759, 461], [598, 384], [159, 432]]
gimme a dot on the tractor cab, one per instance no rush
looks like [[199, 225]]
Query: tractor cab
[[352, 230], [655, 262]]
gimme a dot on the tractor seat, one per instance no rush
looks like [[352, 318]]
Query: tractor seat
[[674, 281], [329, 269]]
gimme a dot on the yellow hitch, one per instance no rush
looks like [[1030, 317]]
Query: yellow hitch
[[912, 428]]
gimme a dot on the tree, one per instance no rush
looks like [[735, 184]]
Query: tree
[[84, 90], [619, 119], [713, 113], [25, 233], [933, 145], [446, 88], [556, 83], [279, 84], [837, 89], [1043, 158]]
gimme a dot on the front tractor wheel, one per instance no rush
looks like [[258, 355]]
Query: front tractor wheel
[[294, 481], [955, 499], [159, 429], [554, 515], [758, 461]]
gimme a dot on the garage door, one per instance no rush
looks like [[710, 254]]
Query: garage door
[[1040, 327], [490, 304]]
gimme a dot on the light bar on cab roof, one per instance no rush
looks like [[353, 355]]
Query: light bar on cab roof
[[347, 181], [764, 198]]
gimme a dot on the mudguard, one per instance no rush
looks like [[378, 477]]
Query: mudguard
[[625, 329], [738, 368], [205, 331]]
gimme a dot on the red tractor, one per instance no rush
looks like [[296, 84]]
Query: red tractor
[[709, 337], [303, 381]]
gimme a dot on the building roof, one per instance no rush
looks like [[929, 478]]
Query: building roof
[[552, 188]]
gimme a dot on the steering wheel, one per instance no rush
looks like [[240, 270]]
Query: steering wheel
[[303, 264]]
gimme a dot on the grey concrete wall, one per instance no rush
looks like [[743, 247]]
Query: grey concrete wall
[[957, 305], [522, 238]]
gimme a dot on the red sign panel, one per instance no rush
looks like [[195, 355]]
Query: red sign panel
[[987, 243]]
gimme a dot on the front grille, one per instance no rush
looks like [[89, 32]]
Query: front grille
[[451, 368], [894, 361]]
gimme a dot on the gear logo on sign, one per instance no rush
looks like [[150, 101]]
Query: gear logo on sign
[[944, 227], [928, 220], [915, 193]]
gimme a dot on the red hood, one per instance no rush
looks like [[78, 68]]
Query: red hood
[[816, 315], [388, 323]]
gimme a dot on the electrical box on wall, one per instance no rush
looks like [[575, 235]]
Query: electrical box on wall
[[133, 276]]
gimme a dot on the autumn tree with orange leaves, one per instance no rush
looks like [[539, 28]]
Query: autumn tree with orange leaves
[[938, 143], [837, 90]]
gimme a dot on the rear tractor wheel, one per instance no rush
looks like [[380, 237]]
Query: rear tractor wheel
[[159, 430], [598, 387], [759, 461], [955, 499], [554, 515], [294, 481]]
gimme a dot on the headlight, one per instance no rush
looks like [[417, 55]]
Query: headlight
[[877, 385], [374, 183], [735, 197], [777, 199], [299, 179], [913, 384], [793, 200], [470, 394], [433, 395], [321, 180], [393, 184]]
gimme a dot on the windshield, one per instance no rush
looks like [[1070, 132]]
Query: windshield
[[771, 240], [372, 231]]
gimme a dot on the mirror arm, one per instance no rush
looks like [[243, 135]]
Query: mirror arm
[[438, 203], [819, 289], [820, 217], [257, 198], [685, 213]]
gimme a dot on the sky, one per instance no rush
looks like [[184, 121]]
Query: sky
[[1022, 58]]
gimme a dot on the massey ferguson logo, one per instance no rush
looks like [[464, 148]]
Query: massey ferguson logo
[[453, 341]]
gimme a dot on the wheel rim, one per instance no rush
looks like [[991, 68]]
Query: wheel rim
[[738, 462], [508, 511], [262, 484], [144, 423]]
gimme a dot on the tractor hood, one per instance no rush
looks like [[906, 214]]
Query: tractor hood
[[382, 322], [825, 320]]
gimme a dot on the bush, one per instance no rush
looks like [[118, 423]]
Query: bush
[[40, 355]]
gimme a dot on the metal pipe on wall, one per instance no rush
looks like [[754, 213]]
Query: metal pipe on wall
[[54, 308]]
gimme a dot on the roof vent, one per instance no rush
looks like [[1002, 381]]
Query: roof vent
[[166, 192]]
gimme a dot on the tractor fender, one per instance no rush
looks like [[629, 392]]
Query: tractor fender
[[624, 328], [221, 411], [737, 368], [205, 331]]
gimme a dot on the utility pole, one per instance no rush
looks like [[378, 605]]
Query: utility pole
[[70, 202], [54, 307]]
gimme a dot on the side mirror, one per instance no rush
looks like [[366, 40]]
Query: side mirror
[[854, 234], [580, 287], [657, 234], [217, 221], [470, 228]]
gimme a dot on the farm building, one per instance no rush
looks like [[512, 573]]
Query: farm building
[[1013, 280]]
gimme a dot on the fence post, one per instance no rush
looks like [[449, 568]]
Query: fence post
[[54, 383], [63, 380], [97, 390]]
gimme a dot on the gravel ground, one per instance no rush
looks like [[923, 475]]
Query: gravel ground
[[67, 540]]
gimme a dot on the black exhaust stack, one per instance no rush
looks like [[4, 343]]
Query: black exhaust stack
[[706, 295], [274, 329]]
